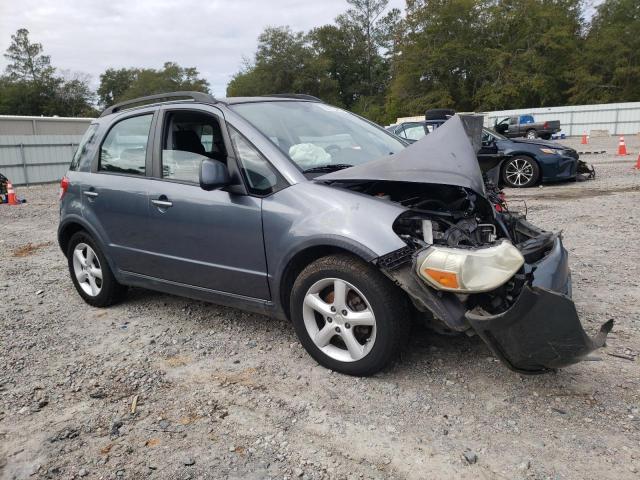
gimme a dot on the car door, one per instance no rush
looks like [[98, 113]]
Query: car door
[[114, 194], [204, 239]]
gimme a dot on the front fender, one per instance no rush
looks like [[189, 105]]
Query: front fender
[[309, 215]]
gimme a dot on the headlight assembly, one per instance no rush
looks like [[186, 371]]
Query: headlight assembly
[[469, 271], [550, 151]]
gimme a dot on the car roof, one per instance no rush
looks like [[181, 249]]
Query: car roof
[[205, 98]]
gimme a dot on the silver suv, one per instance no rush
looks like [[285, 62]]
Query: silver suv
[[290, 207]]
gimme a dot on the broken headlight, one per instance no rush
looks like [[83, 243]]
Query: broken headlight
[[469, 270]]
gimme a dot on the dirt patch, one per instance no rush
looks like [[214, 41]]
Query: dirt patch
[[29, 249], [577, 194]]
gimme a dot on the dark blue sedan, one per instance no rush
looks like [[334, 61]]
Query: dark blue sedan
[[531, 161], [526, 162]]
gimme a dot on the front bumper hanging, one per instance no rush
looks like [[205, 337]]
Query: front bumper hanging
[[539, 333]]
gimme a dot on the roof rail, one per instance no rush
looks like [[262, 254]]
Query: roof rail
[[299, 96], [141, 101]]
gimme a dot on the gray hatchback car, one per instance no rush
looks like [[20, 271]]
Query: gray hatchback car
[[290, 207]]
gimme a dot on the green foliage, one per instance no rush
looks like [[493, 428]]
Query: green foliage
[[462, 54], [127, 83], [285, 62], [608, 69], [114, 83], [31, 85], [530, 46], [27, 62], [342, 63]]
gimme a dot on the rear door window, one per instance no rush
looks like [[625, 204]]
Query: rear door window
[[84, 146], [124, 149]]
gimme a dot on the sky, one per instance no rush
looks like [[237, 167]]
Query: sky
[[90, 36]]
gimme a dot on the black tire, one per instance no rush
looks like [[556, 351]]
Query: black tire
[[111, 291], [439, 114], [517, 164], [388, 303], [545, 136], [531, 134]]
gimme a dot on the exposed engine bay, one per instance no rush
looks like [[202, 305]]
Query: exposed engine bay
[[455, 217]]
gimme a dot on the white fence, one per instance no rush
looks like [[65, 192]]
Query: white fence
[[38, 149], [29, 159], [616, 118]]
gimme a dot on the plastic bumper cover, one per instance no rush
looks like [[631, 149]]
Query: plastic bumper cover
[[541, 331]]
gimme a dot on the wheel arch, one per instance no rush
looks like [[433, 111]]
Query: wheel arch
[[76, 224]]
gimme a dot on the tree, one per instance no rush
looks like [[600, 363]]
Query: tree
[[608, 68], [363, 16], [74, 96], [121, 84], [439, 61], [114, 83], [284, 62], [31, 85], [26, 61], [172, 77], [530, 47]]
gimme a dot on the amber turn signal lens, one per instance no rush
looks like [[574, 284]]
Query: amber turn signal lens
[[446, 279]]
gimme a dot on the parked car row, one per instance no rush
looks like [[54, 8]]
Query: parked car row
[[523, 162]]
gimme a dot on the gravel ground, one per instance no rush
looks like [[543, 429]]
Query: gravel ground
[[224, 394]]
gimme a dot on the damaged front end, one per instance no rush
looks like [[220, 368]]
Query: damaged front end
[[470, 265], [495, 275]]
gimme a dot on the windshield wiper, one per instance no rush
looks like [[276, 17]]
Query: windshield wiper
[[327, 168]]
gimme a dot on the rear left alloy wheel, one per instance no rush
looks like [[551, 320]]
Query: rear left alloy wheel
[[348, 316], [90, 272]]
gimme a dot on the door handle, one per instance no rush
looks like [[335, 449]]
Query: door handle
[[90, 193], [162, 203]]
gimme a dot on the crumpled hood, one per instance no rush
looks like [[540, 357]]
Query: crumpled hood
[[444, 157]]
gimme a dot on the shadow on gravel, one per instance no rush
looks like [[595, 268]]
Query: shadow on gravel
[[584, 193], [574, 193]]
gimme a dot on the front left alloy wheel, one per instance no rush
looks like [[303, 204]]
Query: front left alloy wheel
[[348, 316]]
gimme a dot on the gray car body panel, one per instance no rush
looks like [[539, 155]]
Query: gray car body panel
[[150, 248], [309, 215]]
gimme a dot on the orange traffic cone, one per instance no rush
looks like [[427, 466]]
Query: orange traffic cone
[[585, 138], [638, 162], [11, 195], [622, 147]]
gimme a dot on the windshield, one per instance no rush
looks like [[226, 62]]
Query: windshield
[[316, 136]]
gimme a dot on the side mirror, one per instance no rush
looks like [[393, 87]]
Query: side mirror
[[213, 175]]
